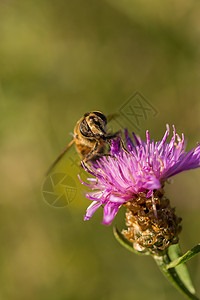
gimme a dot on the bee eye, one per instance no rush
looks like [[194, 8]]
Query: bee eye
[[91, 119], [101, 116], [85, 129]]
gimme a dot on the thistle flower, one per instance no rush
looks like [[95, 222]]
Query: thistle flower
[[136, 180]]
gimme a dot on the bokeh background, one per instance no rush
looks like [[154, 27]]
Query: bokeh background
[[58, 60]]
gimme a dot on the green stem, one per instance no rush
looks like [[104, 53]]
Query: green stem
[[171, 274]]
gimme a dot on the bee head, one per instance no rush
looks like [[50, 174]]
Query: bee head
[[96, 124]]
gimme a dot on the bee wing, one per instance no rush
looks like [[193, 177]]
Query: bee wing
[[114, 123], [64, 183], [59, 157], [112, 116]]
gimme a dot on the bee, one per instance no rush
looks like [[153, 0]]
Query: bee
[[90, 138]]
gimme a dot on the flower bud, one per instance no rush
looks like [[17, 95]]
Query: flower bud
[[152, 224]]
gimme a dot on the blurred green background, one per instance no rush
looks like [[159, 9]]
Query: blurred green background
[[58, 60]]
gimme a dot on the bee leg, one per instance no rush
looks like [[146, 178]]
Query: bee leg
[[118, 134], [123, 146], [86, 166], [106, 154], [113, 136], [87, 158]]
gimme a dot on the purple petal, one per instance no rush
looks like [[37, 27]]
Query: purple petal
[[149, 194], [122, 177], [152, 183], [115, 199], [91, 210], [115, 147], [129, 142], [190, 161], [110, 211]]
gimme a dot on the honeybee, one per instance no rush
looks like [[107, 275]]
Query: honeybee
[[90, 138]]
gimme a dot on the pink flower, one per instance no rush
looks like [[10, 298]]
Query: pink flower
[[120, 177]]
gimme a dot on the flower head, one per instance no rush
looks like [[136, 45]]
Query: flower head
[[122, 177]]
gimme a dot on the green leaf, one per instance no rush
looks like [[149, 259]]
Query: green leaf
[[178, 275], [125, 243], [172, 274], [182, 259], [181, 269]]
